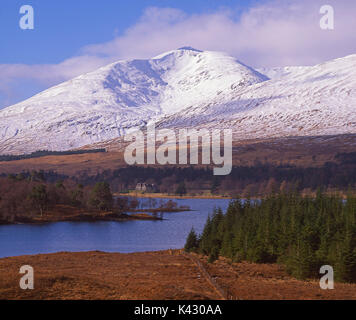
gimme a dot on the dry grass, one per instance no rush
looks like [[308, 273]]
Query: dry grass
[[150, 276], [249, 281], [97, 275], [300, 151]]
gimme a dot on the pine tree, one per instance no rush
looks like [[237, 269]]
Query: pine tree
[[206, 238], [346, 267], [303, 233], [192, 241]]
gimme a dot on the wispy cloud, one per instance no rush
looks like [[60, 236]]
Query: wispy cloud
[[276, 33]]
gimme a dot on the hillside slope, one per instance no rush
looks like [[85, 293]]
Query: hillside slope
[[106, 103], [305, 101]]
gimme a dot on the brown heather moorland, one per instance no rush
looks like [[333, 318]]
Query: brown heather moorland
[[164, 275], [298, 151]]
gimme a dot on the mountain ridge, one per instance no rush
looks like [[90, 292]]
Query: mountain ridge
[[306, 101], [184, 88]]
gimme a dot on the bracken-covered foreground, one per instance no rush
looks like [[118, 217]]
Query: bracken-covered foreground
[[154, 275]]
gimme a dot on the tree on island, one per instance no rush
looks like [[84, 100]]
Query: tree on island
[[39, 197], [77, 195], [101, 197]]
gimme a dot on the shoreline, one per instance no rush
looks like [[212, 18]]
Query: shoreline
[[167, 196], [80, 218], [71, 214], [174, 196]]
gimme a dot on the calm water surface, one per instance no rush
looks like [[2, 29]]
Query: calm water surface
[[129, 236]]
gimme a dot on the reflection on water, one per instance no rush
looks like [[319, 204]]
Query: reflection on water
[[129, 236]]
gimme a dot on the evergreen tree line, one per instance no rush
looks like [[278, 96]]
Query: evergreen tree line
[[44, 153], [39, 176], [301, 233]]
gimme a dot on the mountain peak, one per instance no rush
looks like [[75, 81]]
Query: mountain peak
[[190, 49], [187, 87], [180, 52], [106, 103]]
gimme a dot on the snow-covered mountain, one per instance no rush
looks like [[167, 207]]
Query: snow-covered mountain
[[297, 101], [185, 88], [106, 103]]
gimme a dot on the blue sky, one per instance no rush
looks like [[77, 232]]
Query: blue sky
[[72, 37], [63, 27]]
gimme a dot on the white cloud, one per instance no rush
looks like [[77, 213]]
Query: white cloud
[[279, 32], [46, 73], [276, 33], [17, 80]]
